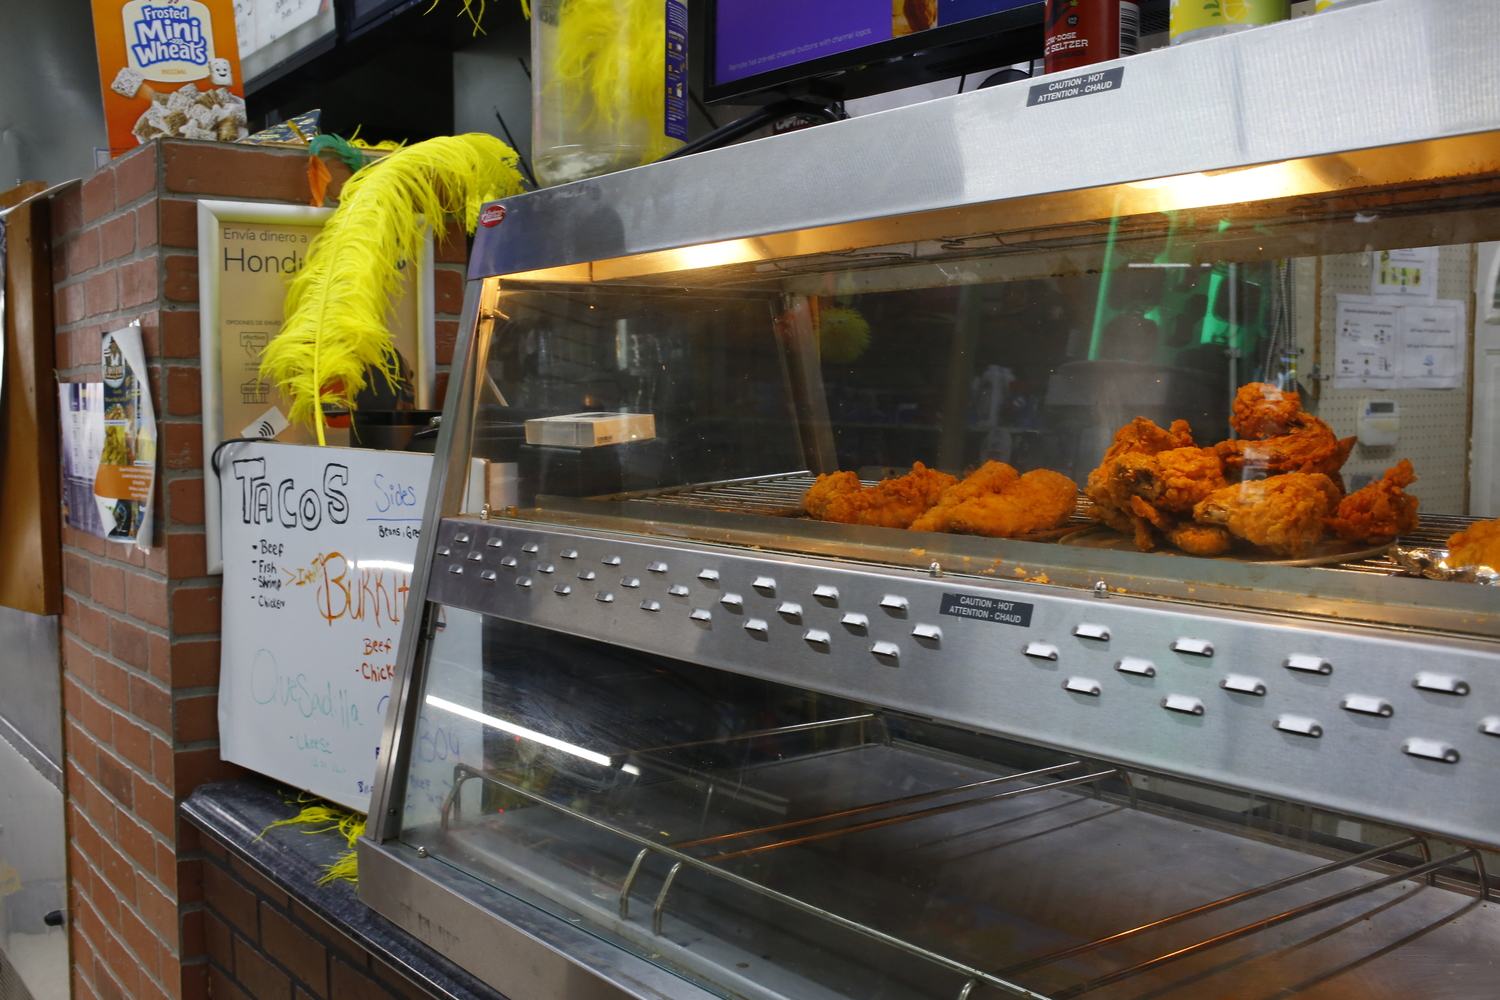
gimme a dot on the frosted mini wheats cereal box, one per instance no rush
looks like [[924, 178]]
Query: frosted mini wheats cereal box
[[169, 67]]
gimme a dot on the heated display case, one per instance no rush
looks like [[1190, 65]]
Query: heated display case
[[667, 724]]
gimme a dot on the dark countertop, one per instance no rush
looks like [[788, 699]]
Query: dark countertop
[[234, 813]]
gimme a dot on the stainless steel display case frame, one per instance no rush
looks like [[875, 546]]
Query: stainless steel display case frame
[[1410, 105]]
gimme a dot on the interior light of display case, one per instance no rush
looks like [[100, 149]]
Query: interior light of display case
[[936, 234], [528, 734], [692, 258], [1271, 180]]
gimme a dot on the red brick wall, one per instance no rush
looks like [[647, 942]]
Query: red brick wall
[[141, 631], [263, 945]]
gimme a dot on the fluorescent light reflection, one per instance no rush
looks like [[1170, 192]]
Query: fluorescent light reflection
[[1228, 187], [528, 734], [382, 564]]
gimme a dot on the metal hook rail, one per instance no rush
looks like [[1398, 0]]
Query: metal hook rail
[[619, 758], [640, 858], [1217, 904], [463, 772], [919, 814], [1269, 922], [975, 977], [876, 806]]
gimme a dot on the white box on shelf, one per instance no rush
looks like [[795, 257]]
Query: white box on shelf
[[590, 430]]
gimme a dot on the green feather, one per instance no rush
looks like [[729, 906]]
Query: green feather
[[352, 157]]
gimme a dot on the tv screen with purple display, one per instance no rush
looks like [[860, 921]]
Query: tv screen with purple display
[[756, 37]]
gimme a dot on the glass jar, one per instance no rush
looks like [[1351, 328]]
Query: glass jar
[[609, 85]]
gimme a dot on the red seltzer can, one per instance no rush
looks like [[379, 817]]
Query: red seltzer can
[[1083, 32]]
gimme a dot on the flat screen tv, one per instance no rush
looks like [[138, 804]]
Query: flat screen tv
[[758, 51]]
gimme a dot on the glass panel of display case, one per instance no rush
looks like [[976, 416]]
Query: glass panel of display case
[[1270, 365], [763, 840], [1107, 407], [1198, 397]]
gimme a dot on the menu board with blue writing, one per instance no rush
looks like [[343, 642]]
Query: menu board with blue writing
[[319, 545]]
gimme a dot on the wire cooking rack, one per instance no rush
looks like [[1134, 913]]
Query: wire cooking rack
[[781, 496]]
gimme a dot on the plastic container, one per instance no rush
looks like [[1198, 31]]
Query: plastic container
[[1084, 32], [609, 85], [1197, 19], [1323, 5]]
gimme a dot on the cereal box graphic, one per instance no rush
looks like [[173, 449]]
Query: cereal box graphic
[[169, 67]]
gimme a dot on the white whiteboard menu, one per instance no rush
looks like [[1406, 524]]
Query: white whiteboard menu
[[272, 31], [318, 551]]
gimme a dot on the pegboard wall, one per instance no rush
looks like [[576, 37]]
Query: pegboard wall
[[1434, 422]]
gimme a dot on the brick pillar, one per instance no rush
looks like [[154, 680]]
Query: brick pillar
[[141, 631]]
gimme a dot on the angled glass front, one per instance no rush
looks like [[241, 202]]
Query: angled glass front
[[1265, 390], [765, 841], [1286, 365]]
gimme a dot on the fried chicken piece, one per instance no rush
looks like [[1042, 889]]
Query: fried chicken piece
[[1123, 471], [1476, 545], [1173, 480], [1262, 411], [1039, 500], [821, 493], [1143, 437], [1278, 436], [1143, 510], [1194, 539], [890, 503], [1283, 513], [991, 477], [1313, 449], [1117, 519], [1379, 511], [1200, 539]]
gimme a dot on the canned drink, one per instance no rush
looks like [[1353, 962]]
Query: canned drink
[[1082, 32], [1196, 19]]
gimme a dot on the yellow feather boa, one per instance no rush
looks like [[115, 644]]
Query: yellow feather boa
[[337, 305]]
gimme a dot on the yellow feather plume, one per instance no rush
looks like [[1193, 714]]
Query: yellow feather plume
[[337, 306], [349, 824], [608, 66]]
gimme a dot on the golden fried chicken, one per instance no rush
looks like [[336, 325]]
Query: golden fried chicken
[[1476, 545], [1283, 513], [1143, 437], [1379, 511], [1312, 449], [1192, 538], [1262, 411], [991, 477], [1172, 480], [1149, 514], [1039, 500], [821, 493], [890, 503], [1160, 467], [1200, 539], [1278, 436]]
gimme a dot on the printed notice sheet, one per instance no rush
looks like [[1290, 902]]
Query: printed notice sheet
[[1432, 345], [1406, 275], [1365, 342], [1383, 343]]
